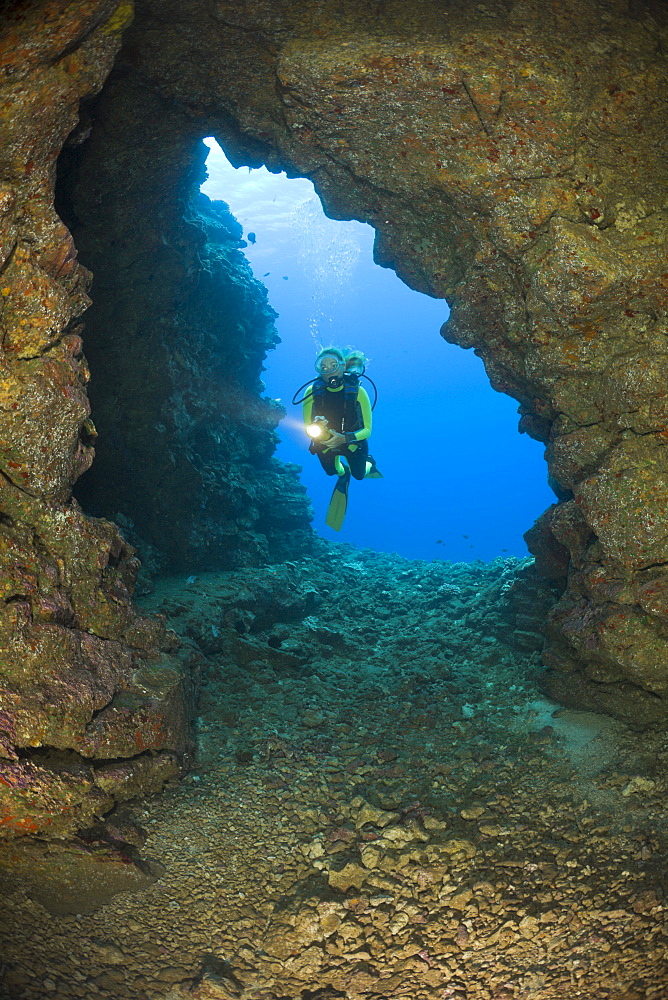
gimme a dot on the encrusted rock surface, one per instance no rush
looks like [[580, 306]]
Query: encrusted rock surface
[[512, 159], [80, 671], [84, 679], [95, 699], [383, 806]]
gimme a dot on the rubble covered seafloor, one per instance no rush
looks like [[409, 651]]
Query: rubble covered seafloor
[[383, 805]]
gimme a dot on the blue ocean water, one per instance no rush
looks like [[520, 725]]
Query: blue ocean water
[[459, 482]]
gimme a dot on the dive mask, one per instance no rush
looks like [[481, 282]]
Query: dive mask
[[330, 367]]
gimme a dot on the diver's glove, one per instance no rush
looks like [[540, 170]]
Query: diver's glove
[[335, 442]]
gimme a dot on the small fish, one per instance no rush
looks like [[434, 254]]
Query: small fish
[[439, 541], [215, 631], [504, 550], [190, 579], [465, 536], [250, 237], [285, 277], [267, 274]]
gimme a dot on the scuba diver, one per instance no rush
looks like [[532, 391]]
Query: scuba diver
[[337, 416]]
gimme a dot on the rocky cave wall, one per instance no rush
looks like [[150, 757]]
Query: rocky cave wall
[[96, 700], [511, 156]]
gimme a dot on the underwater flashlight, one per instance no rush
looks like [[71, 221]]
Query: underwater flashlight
[[319, 429]]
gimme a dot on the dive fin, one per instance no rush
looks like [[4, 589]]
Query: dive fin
[[338, 505], [372, 471]]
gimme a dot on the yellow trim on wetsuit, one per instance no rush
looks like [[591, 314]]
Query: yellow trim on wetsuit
[[365, 405], [362, 399]]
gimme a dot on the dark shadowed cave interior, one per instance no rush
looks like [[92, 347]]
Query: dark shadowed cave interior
[[238, 760]]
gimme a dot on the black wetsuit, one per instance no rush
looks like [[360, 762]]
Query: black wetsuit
[[343, 413]]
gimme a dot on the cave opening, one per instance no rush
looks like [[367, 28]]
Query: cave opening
[[450, 442]]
